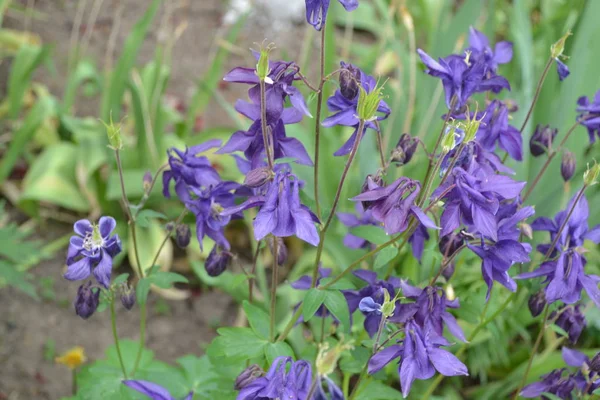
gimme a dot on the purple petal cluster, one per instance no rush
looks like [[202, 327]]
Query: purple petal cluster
[[571, 320], [364, 217], [152, 390], [479, 46], [316, 11], [590, 115]]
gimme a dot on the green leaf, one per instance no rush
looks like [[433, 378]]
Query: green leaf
[[204, 378], [141, 290], [234, 344], [312, 301], [165, 280], [143, 218], [26, 61], [559, 330], [18, 279], [371, 233], [277, 349], [258, 319], [152, 239], [120, 279], [338, 307], [377, 390], [384, 256]]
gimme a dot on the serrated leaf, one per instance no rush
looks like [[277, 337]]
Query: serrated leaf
[[277, 349], [312, 301], [237, 344], [384, 256], [258, 319], [338, 307]]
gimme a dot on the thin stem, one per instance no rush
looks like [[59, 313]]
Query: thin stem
[[322, 338], [307, 83], [453, 163], [138, 357], [274, 289], [534, 350], [263, 121], [378, 337], [151, 187], [537, 93], [551, 155], [357, 384], [318, 122], [291, 324], [251, 280], [386, 341], [361, 127], [384, 164], [128, 211], [564, 224], [313, 387], [167, 236], [113, 320]]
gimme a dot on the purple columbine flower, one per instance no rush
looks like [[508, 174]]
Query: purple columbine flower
[[541, 140], [417, 241], [586, 378], [217, 261], [279, 383], [152, 390], [561, 69], [480, 49], [316, 11], [474, 157], [498, 257], [557, 382], [304, 283], [590, 115], [375, 292], [281, 213], [393, 204], [344, 109], [420, 356], [571, 320], [462, 77], [475, 200], [87, 300], [429, 309], [333, 391], [92, 250], [364, 217], [566, 273], [190, 170]]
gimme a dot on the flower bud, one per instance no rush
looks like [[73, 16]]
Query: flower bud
[[536, 303], [262, 67], [282, 252], [249, 375], [127, 296], [87, 300], [590, 177], [562, 69], [405, 149], [450, 244], [147, 182], [368, 103], [541, 140], [595, 363], [557, 48], [114, 134], [217, 261], [388, 306], [258, 177], [567, 166], [182, 235], [526, 230], [448, 271], [349, 81]]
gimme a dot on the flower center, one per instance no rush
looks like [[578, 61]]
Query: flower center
[[93, 240]]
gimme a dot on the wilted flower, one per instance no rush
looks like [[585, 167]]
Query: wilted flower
[[541, 140], [571, 320], [87, 300], [217, 261], [152, 390], [248, 376], [183, 235], [73, 358], [567, 165], [349, 79], [405, 149], [590, 115], [316, 11], [127, 296], [92, 250], [480, 49]]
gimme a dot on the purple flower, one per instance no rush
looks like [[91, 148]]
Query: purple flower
[[541, 140], [586, 377], [217, 261], [480, 49], [316, 11], [87, 300], [281, 212], [279, 383], [365, 217], [393, 204], [92, 250], [566, 273], [304, 283], [333, 391], [190, 170], [429, 309], [152, 390], [590, 115], [571, 320], [420, 356], [417, 241], [475, 200], [555, 382], [375, 292], [344, 109], [474, 157], [562, 69], [462, 77]]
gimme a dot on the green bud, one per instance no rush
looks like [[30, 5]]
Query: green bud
[[557, 48], [449, 140], [387, 308], [368, 103], [262, 67], [590, 177], [471, 126], [113, 131]]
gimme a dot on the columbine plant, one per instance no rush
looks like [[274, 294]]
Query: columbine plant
[[468, 201]]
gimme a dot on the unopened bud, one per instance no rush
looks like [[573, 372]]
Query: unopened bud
[[113, 131], [249, 375], [557, 48], [182, 235], [282, 252], [147, 182], [448, 271], [567, 166], [217, 261], [595, 363], [536, 303], [262, 67], [590, 177], [349, 81], [526, 230], [541, 140], [368, 103], [87, 300], [405, 149], [127, 296], [258, 177], [450, 244]]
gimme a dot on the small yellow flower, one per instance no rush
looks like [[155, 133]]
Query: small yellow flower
[[73, 358]]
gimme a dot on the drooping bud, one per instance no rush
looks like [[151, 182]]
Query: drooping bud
[[258, 177], [182, 235], [562, 69], [450, 244], [567, 165], [541, 140], [262, 67], [87, 300], [590, 177], [349, 81], [113, 131], [249, 375], [368, 103], [595, 363], [557, 48], [217, 261], [448, 271], [127, 296], [147, 182], [282, 252], [405, 149], [536, 303]]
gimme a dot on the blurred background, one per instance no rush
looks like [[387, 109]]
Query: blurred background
[[157, 67]]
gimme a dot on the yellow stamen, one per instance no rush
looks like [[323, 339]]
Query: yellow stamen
[[73, 358]]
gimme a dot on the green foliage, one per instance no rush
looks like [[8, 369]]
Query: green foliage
[[161, 279]]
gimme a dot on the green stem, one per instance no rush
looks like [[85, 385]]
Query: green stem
[[263, 122], [138, 357], [74, 381], [113, 320], [273, 290], [290, 325], [358, 381], [537, 93], [318, 122]]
